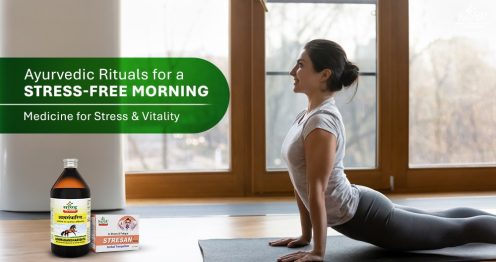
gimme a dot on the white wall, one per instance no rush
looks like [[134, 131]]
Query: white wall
[[30, 164]]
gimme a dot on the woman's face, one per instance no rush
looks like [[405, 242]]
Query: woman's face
[[306, 79]]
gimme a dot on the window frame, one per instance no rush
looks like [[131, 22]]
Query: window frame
[[278, 181], [248, 174], [214, 183], [286, 73]]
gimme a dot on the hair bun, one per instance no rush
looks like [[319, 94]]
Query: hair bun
[[350, 74]]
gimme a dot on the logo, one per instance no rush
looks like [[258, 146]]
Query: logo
[[127, 223], [69, 208], [102, 222]]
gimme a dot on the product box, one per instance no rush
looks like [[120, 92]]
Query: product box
[[114, 232]]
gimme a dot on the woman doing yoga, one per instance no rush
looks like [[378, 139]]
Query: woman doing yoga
[[314, 149]]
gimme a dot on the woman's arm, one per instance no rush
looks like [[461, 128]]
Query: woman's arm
[[306, 228], [320, 152], [306, 223]]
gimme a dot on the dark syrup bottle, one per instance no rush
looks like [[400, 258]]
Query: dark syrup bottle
[[70, 208]]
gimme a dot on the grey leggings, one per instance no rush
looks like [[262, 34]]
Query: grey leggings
[[380, 222]]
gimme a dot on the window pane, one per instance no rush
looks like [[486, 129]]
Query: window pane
[[452, 83], [288, 27], [178, 28]]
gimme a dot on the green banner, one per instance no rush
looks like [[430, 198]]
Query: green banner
[[110, 95]]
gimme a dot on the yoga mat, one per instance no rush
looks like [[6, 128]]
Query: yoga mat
[[339, 248]]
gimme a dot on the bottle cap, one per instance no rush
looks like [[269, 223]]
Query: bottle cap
[[70, 163]]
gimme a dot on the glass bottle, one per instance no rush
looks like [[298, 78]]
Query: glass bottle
[[70, 208]]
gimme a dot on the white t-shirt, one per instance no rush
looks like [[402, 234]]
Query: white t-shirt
[[341, 198]]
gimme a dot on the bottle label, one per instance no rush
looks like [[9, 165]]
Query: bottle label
[[70, 221]]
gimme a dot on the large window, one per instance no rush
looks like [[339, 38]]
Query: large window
[[178, 28], [289, 25], [423, 117], [452, 83]]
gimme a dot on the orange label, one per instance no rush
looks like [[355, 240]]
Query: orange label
[[116, 240]]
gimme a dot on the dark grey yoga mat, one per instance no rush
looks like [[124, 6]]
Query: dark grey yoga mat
[[339, 248]]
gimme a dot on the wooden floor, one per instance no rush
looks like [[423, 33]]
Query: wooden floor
[[162, 239]]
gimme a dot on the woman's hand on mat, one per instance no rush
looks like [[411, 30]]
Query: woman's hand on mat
[[290, 242], [301, 256]]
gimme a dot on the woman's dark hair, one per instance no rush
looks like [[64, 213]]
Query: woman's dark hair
[[328, 54]]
